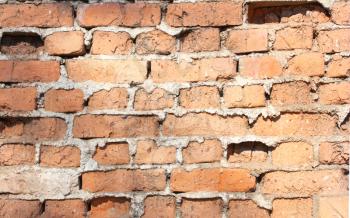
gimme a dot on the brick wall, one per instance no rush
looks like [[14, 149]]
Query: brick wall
[[174, 109]]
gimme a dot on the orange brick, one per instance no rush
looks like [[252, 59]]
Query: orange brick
[[65, 43], [341, 12], [247, 152], [63, 156], [159, 206], [292, 153], [248, 96], [307, 64], [155, 42], [206, 125], [334, 152], [196, 71], [110, 207], [335, 206], [107, 71], [208, 151], [60, 100], [290, 93], [157, 99], [201, 208], [294, 38], [19, 208], [199, 97], [246, 209], [149, 153], [29, 71], [123, 180], [112, 153], [260, 67], [339, 67], [64, 208], [212, 179], [110, 43], [115, 98], [334, 40], [244, 41], [17, 154], [305, 183], [216, 14], [203, 39], [9, 99], [118, 14], [36, 15], [296, 208], [334, 93]]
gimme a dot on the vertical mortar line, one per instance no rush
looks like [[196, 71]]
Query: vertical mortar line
[[37, 153]]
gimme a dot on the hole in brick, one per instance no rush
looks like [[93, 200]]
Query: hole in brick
[[284, 11], [21, 43], [247, 152]]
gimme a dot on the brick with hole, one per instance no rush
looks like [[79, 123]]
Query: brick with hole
[[115, 98], [112, 153], [9, 99], [292, 154], [110, 207], [157, 99], [17, 154], [155, 42], [295, 207], [246, 209], [260, 67], [334, 206], [306, 64], [294, 38], [341, 12], [210, 207], [334, 93], [208, 151], [65, 43], [148, 152], [334, 152], [159, 206], [64, 208], [249, 96], [200, 40], [65, 101], [339, 67], [199, 97], [111, 43], [247, 152], [59, 156], [19, 208], [245, 41], [21, 44], [291, 93], [330, 41]]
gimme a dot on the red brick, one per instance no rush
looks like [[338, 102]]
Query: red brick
[[110, 43], [115, 98], [305, 183], [60, 100], [307, 64], [334, 93], [9, 99], [260, 67], [112, 153], [296, 208], [36, 15], [244, 41], [118, 14], [201, 208], [199, 97], [148, 152], [290, 93], [334, 206], [65, 43], [29, 71], [334, 152], [157, 99], [203, 39], [245, 152], [296, 124], [212, 179], [334, 40], [159, 206], [110, 207], [248, 96], [246, 209], [62, 156], [294, 38], [123, 180], [203, 152], [293, 153], [339, 67], [64, 208], [196, 71], [17, 154], [155, 42], [341, 12], [114, 126], [107, 71], [206, 125], [19, 208], [216, 14]]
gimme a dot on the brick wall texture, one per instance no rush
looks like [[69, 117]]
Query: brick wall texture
[[164, 109]]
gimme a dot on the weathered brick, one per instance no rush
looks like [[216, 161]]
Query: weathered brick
[[248, 96], [118, 14], [260, 67], [246, 152], [110, 43], [339, 67], [294, 38], [112, 153], [292, 153], [296, 124], [334, 206], [297, 207], [334, 40], [341, 12], [65, 43], [110, 207], [64, 208], [96, 126], [60, 100], [306, 64], [203, 152], [115, 98], [246, 209], [199, 97], [159, 206], [334, 93], [196, 71], [36, 15], [206, 125], [62, 156], [148, 152], [334, 152], [17, 154], [9, 99], [199, 40], [155, 42], [19, 208], [201, 208], [212, 179], [305, 183], [216, 14], [29, 71], [108, 71], [298, 92], [157, 99], [123, 180], [244, 41]]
